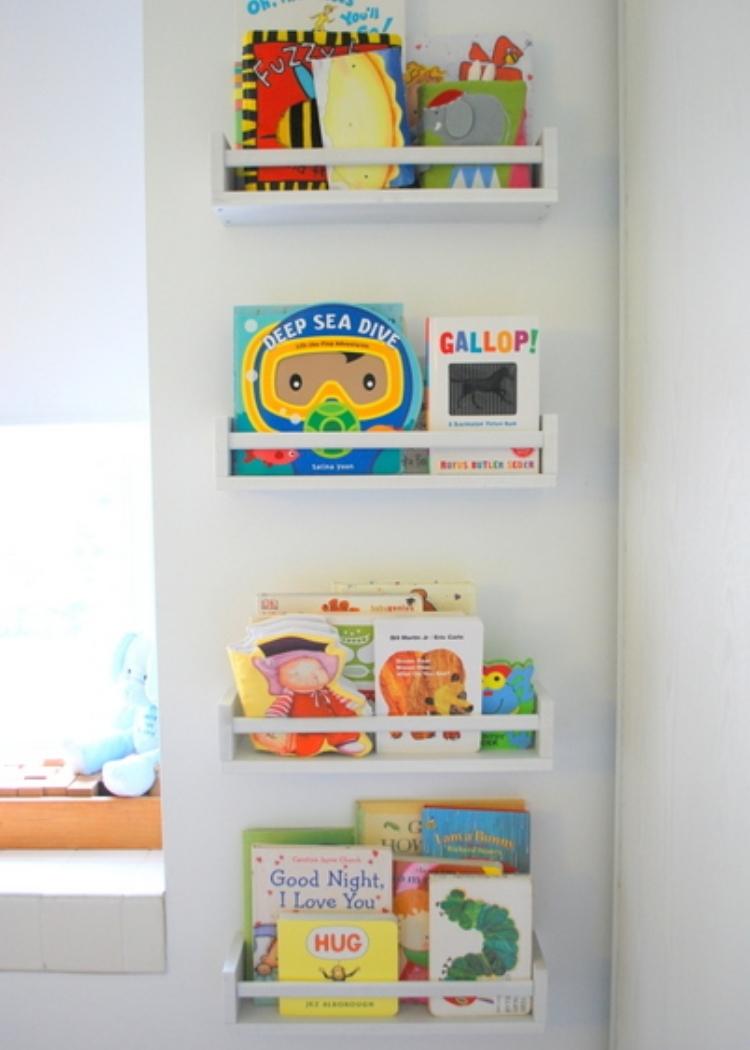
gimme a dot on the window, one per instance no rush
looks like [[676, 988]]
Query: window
[[76, 572]]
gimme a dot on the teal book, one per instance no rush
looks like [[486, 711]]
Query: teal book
[[333, 367], [458, 834]]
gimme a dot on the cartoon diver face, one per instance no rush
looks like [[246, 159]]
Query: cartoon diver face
[[338, 381]]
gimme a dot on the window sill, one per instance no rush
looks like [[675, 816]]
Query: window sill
[[102, 822], [88, 911]]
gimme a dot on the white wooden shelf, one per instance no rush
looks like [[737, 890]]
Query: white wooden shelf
[[237, 207], [545, 439], [240, 1008], [238, 754]]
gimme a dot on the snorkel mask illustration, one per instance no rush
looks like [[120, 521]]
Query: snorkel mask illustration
[[331, 367]]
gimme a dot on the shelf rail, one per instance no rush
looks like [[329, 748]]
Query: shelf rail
[[236, 750], [238, 991]]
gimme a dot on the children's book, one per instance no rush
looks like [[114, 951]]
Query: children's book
[[480, 930], [470, 113], [335, 368], [277, 603], [499, 835], [352, 16], [503, 59], [283, 836], [411, 904], [483, 375], [397, 823], [508, 689], [278, 109], [291, 667], [308, 878], [361, 105], [437, 595], [428, 665], [336, 948]]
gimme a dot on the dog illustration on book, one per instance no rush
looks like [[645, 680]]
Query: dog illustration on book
[[430, 683]]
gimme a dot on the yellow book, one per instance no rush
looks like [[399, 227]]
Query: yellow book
[[398, 822], [336, 947]]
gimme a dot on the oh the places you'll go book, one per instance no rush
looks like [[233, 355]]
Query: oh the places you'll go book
[[307, 879], [337, 949]]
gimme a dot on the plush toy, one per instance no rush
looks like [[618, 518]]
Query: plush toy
[[127, 750]]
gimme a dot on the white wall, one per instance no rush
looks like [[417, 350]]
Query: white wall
[[73, 293], [545, 560], [684, 850]]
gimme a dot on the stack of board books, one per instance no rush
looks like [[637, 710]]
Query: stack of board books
[[390, 649], [434, 890], [350, 75], [349, 368]]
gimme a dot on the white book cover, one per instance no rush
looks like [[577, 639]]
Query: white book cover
[[480, 929], [428, 665], [437, 595], [335, 16], [274, 604], [483, 376], [310, 879]]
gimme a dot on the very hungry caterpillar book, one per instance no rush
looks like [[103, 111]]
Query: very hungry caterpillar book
[[480, 929]]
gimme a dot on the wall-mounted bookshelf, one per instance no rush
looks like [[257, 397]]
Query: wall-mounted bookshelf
[[238, 754], [240, 1006], [236, 207], [545, 439]]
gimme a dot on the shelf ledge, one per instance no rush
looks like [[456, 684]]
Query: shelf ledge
[[240, 1007], [239, 755], [236, 207], [545, 438]]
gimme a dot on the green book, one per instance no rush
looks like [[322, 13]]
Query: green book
[[272, 837]]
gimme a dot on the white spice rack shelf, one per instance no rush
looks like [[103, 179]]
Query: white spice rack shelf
[[240, 1007], [239, 755], [238, 207], [545, 439]]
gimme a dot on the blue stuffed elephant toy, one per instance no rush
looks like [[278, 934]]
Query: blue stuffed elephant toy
[[127, 752]]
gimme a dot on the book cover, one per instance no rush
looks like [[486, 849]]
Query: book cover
[[281, 836], [428, 665], [353, 16], [470, 113], [504, 58], [397, 823], [508, 689], [326, 367], [411, 905], [334, 948], [483, 376], [480, 929], [277, 603], [309, 878], [499, 835], [278, 109], [291, 667], [437, 595], [361, 105]]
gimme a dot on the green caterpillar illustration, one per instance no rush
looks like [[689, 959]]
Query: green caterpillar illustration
[[499, 952]]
